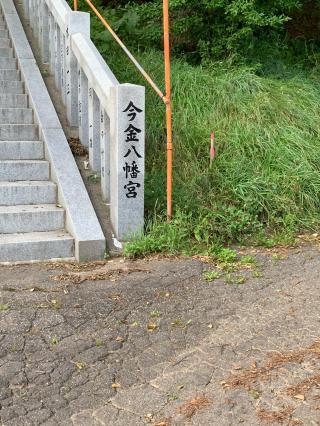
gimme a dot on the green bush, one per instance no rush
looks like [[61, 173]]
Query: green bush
[[206, 30]]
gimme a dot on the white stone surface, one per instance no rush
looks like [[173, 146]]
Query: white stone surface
[[27, 192], [15, 170], [31, 218], [127, 194], [77, 21], [36, 245], [21, 150], [94, 130]]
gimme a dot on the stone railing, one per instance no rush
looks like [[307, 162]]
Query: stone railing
[[110, 116]]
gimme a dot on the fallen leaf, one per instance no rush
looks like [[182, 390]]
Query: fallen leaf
[[116, 385], [254, 393], [80, 365], [152, 326], [237, 367], [300, 396]]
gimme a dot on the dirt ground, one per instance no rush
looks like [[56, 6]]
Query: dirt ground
[[152, 342]]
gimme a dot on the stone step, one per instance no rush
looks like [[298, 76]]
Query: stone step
[[21, 150], [31, 218], [8, 64], [8, 87], [13, 75], [13, 101], [16, 116], [4, 33], [3, 26], [4, 41], [36, 246], [17, 170], [27, 192], [19, 132], [6, 52]]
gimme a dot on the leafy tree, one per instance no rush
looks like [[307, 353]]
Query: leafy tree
[[213, 29]]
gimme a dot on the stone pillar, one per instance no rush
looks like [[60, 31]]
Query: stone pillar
[[77, 22], [127, 154], [44, 32], [94, 130], [57, 56], [32, 17], [36, 19], [105, 154], [26, 9], [51, 43], [63, 67], [83, 107]]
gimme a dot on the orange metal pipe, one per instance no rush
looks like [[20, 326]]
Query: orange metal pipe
[[75, 4], [168, 105], [129, 54]]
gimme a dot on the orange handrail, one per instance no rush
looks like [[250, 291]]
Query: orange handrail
[[166, 98]]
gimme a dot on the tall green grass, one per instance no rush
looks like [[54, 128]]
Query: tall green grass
[[266, 176]]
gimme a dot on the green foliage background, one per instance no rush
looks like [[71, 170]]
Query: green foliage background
[[216, 29]]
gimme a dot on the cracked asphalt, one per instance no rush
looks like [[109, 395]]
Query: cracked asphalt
[[152, 342]]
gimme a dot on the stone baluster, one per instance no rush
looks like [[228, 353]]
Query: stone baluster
[[63, 66], [105, 154], [57, 55], [83, 107], [77, 22], [51, 44], [44, 32], [94, 130], [26, 8]]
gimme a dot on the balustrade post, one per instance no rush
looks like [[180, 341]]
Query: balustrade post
[[127, 152], [94, 130], [51, 43], [83, 107], [77, 22], [26, 9], [57, 56], [36, 18], [105, 154], [63, 67], [32, 17], [44, 32]]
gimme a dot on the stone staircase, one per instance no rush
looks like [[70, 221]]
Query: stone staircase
[[32, 224]]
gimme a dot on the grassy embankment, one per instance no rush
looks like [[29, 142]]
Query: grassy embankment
[[264, 185]]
